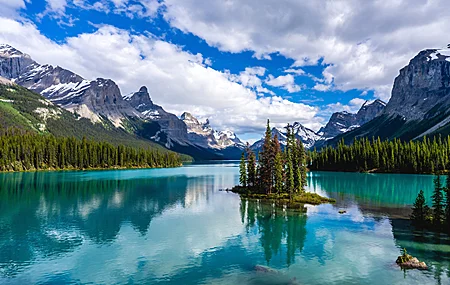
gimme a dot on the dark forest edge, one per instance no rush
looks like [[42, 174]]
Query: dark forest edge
[[279, 175], [28, 151], [436, 218], [423, 156]]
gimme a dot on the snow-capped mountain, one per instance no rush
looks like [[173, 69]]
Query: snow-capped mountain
[[419, 104], [97, 99], [172, 129], [307, 136], [342, 122], [202, 134]]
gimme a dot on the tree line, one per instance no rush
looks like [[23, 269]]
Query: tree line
[[276, 171], [23, 151], [420, 156], [438, 216]]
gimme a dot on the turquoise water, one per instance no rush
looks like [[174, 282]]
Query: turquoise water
[[174, 226]]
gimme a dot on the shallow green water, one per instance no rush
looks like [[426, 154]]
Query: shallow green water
[[174, 226]]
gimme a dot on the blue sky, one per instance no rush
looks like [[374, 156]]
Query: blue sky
[[234, 62]]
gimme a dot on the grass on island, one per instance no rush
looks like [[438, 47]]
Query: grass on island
[[297, 198]]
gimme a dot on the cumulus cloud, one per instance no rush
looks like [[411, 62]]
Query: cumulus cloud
[[365, 42], [178, 80], [353, 106], [9, 8], [286, 82]]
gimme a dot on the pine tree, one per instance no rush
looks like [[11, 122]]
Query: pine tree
[[278, 165], [251, 168], [438, 209], [266, 162], [243, 171], [447, 202], [420, 210], [302, 160]]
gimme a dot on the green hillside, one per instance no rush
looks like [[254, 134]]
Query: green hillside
[[23, 109]]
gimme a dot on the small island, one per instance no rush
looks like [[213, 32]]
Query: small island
[[407, 261], [279, 175]]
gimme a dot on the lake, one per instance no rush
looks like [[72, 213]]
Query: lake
[[175, 226]]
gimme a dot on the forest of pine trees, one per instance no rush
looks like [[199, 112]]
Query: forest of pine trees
[[438, 216], [276, 171], [24, 151], [421, 156]]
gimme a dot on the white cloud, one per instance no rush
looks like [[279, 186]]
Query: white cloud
[[286, 82], [353, 106], [322, 87], [10, 8], [178, 80], [366, 42], [250, 78], [295, 71]]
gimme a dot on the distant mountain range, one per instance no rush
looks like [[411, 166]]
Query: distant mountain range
[[419, 104], [418, 107], [101, 102]]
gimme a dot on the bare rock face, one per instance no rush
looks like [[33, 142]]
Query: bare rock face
[[342, 122], [203, 135], [422, 85], [173, 128], [419, 104]]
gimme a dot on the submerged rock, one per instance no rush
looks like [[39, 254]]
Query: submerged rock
[[407, 261]]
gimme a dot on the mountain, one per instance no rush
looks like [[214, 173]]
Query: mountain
[[339, 123], [305, 135], [172, 129], [95, 100], [185, 134], [342, 122], [26, 110], [202, 134], [419, 103], [100, 101]]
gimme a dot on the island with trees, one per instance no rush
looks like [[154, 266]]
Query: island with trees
[[278, 175]]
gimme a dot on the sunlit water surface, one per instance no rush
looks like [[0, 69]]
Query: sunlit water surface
[[175, 226]]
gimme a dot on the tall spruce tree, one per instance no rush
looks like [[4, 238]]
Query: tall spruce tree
[[302, 159], [447, 202], [438, 199], [266, 162], [278, 165], [251, 168], [420, 211], [243, 171]]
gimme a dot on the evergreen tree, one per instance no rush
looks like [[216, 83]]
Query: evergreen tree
[[278, 166], [447, 202], [437, 198], [266, 162], [251, 168], [420, 210], [243, 171], [302, 160]]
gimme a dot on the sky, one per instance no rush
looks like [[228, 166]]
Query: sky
[[235, 62]]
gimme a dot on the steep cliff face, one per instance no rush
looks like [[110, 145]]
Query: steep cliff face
[[419, 104], [174, 129], [342, 122], [94, 100], [203, 135]]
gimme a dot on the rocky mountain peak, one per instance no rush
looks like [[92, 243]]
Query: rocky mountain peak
[[8, 51], [140, 100], [421, 85]]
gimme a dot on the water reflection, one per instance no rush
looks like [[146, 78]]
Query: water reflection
[[175, 227]]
